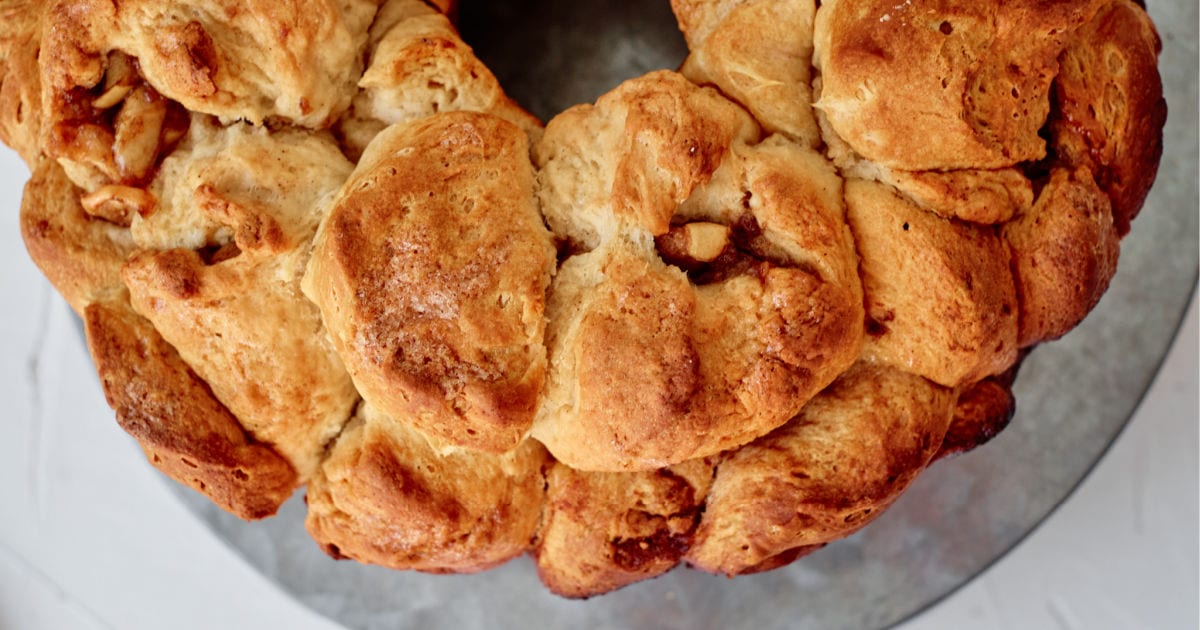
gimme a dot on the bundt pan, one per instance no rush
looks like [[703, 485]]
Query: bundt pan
[[1072, 396]]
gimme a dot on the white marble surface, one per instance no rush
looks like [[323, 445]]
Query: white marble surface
[[91, 538]]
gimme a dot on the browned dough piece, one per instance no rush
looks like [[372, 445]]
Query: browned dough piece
[[824, 475], [385, 496], [185, 431], [431, 274], [80, 254], [417, 66], [661, 352], [249, 200], [982, 411], [601, 531], [1111, 107], [942, 84], [20, 83], [758, 53], [940, 297], [1065, 251]]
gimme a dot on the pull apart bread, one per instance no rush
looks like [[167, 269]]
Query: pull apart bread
[[722, 316]]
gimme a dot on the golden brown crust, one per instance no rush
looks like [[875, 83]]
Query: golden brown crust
[[940, 297], [254, 339], [715, 365], [980, 414], [257, 188], [234, 310], [184, 430], [385, 496], [836, 466], [20, 84], [758, 53], [942, 84], [218, 57], [1065, 251], [120, 80], [620, 316], [81, 255], [602, 531], [417, 66], [1110, 106], [989, 197], [657, 359], [431, 273], [634, 156]]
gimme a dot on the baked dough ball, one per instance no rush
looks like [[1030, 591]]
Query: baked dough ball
[[718, 291], [942, 84], [980, 413], [1111, 106], [631, 159], [824, 475], [120, 79], [417, 66], [431, 273], [384, 495], [941, 301], [758, 53], [253, 61], [184, 430], [20, 89], [1064, 253], [80, 254], [225, 248], [603, 530], [247, 186], [946, 85]]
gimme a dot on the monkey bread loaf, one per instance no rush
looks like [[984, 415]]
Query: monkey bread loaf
[[722, 316]]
